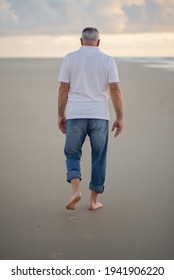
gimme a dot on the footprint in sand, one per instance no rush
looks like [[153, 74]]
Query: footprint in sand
[[74, 219], [56, 256], [88, 236]]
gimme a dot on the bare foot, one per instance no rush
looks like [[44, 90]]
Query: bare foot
[[95, 206], [71, 205]]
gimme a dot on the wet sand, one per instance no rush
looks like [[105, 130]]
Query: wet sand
[[136, 221]]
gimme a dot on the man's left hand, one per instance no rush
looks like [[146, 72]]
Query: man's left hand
[[62, 124]]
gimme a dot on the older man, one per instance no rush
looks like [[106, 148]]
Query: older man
[[85, 76]]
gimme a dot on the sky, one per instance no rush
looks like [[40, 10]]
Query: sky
[[51, 28]]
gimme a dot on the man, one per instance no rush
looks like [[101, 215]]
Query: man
[[85, 76]]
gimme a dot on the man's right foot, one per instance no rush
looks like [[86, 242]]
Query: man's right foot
[[95, 206]]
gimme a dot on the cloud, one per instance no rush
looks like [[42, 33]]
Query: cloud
[[57, 17], [7, 15], [152, 16], [65, 16]]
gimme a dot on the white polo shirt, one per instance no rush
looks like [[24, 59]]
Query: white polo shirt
[[89, 71]]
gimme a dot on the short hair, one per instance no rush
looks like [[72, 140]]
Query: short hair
[[90, 33]]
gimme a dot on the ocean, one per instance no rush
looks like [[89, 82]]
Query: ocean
[[166, 63]]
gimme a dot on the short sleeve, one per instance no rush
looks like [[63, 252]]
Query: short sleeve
[[113, 76], [64, 72]]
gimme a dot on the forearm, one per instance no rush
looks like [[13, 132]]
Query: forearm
[[117, 100], [62, 99], [118, 105]]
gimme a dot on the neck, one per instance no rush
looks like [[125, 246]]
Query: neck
[[90, 43]]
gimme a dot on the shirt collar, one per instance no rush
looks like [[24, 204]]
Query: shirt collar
[[89, 48]]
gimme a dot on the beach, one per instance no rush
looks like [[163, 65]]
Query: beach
[[136, 221]]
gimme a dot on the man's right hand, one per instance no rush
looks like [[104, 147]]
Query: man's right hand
[[118, 125]]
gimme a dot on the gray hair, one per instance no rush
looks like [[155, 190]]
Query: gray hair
[[90, 34]]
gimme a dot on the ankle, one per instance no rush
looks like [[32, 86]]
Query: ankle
[[75, 184], [94, 196], [77, 193]]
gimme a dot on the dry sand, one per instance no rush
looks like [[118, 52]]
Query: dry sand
[[136, 221]]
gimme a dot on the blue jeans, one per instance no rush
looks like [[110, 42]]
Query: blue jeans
[[76, 132]]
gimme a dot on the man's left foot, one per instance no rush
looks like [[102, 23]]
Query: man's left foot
[[71, 205]]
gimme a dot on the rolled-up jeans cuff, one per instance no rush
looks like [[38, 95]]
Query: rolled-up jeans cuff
[[73, 175], [97, 189]]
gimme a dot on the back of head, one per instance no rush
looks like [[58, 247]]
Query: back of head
[[90, 34]]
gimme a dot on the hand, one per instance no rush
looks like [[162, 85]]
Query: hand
[[62, 124], [118, 125]]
